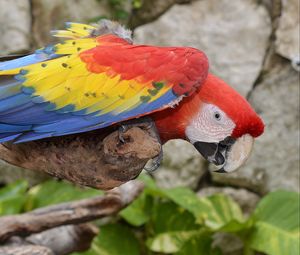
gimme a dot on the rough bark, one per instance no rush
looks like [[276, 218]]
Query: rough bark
[[69, 213], [60, 241], [26, 250], [94, 159]]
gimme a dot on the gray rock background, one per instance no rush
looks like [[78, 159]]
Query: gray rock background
[[15, 20], [253, 45], [233, 34]]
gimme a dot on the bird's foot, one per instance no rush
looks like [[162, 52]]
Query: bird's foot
[[147, 124], [155, 162]]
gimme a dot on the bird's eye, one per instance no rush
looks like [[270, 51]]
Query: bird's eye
[[217, 116]]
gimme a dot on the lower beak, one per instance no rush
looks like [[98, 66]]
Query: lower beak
[[229, 154]]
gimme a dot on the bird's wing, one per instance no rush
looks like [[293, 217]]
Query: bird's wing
[[87, 83]]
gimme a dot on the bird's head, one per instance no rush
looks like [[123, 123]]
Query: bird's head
[[224, 125]]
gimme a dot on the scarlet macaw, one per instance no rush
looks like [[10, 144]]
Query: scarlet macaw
[[97, 77]]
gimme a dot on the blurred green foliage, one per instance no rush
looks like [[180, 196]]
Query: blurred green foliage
[[120, 10], [18, 197], [174, 221]]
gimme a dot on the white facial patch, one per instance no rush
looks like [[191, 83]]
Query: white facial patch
[[210, 125]]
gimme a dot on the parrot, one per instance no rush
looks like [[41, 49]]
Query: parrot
[[96, 77]]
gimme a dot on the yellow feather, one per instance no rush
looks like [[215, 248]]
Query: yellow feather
[[74, 30], [113, 98], [82, 29], [10, 72], [127, 96], [68, 97], [75, 46], [64, 34], [63, 90], [66, 80]]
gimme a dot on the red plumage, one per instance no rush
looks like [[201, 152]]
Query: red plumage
[[172, 122], [183, 68]]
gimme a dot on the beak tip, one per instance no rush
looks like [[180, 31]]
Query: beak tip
[[221, 170]]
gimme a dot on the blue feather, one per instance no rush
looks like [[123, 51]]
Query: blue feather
[[30, 136], [26, 118], [9, 89], [13, 101], [80, 124], [37, 57], [6, 128], [5, 137]]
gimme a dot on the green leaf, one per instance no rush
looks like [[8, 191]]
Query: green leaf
[[190, 201], [277, 224], [170, 242], [200, 244], [148, 181], [120, 14], [54, 192], [13, 197], [16, 188], [172, 226], [215, 212], [226, 215], [12, 205], [169, 217], [138, 212], [273, 240], [137, 4], [115, 239], [281, 209]]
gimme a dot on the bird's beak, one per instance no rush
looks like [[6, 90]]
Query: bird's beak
[[229, 154]]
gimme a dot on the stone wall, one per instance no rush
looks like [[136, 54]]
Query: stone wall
[[253, 45]]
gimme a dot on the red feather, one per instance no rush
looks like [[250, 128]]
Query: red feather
[[171, 123], [182, 68]]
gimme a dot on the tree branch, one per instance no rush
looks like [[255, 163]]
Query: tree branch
[[93, 159], [60, 241], [25, 249], [69, 213]]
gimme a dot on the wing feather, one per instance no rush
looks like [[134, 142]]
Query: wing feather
[[86, 83]]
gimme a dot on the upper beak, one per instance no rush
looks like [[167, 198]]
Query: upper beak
[[229, 154]]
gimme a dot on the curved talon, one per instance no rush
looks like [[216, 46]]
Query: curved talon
[[156, 162], [122, 129]]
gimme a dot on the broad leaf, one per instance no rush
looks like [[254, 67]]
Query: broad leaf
[[190, 201], [274, 241], [169, 217], [170, 242], [226, 214], [54, 192], [114, 239], [200, 244], [138, 212], [172, 226], [16, 188], [215, 212], [13, 197], [277, 224]]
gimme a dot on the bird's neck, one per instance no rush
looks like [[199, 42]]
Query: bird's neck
[[172, 122], [169, 125]]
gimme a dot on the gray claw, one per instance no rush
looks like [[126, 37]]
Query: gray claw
[[156, 162], [122, 129]]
